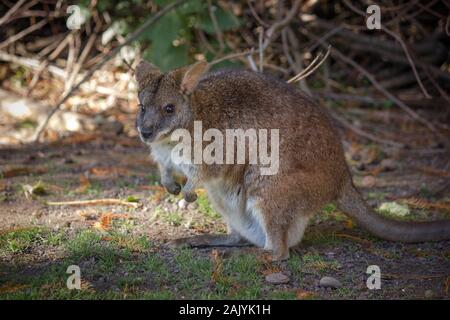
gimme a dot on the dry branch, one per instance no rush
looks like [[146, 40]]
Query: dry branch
[[105, 59], [96, 202]]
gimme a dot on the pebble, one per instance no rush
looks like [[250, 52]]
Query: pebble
[[369, 181], [429, 294], [330, 282], [182, 204], [277, 278]]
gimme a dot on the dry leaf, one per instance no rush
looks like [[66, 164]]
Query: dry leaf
[[105, 220], [424, 204], [108, 171], [11, 287], [217, 275], [22, 172], [349, 224], [434, 172], [364, 242], [303, 294], [77, 138], [84, 184], [447, 284]]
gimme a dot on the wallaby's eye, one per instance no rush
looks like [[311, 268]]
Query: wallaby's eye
[[170, 108], [141, 107]]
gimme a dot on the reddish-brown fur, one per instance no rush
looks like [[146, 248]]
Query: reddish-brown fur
[[312, 169]]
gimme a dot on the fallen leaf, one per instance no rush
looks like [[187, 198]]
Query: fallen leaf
[[22, 171], [424, 204], [303, 294], [84, 184], [108, 171], [434, 172], [11, 287], [349, 224], [447, 284], [357, 239], [77, 138], [105, 220], [217, 275]]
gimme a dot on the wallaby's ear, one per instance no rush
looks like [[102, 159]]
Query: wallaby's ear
[[192, 76], [145, 73]]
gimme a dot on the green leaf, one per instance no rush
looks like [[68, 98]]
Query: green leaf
[[193, 6], [165, 31], [225, 20], [172, 57]]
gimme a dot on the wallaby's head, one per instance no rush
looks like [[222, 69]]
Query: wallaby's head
[[164, 99]]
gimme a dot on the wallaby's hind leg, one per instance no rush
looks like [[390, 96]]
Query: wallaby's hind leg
[[276, 241], [284, 228], [232, 239]]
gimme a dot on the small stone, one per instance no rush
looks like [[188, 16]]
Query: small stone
[[330, 282], [182, 204], [388, 164], [429, 294], [37, 214], [277, 278], [369, 181]]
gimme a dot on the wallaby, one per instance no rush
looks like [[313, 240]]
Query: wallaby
[[269, 211]]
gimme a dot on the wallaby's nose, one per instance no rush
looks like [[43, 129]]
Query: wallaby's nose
[[146, 134]]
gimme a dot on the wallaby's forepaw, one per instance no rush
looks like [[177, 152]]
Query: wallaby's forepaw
[[173, 188], [190, 196]]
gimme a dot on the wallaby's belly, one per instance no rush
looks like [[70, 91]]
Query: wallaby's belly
[[240, 214]]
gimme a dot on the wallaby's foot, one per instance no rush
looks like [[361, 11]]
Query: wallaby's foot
[[276, 242], [280, 256], [190, 196], [172, 187], [210, 240]]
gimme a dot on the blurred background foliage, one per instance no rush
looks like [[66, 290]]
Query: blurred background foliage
[[171, 42]]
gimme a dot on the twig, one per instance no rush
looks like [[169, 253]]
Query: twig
[[364, 134], [76, 69], [379, 87], [411, 62], [261, 50], [306, 72], [105, 59], [11, 11], [233, 56], [58, 72], [217, 30], [402, 43], [255, 15], [274, 28], [96, 202], [281, 24], [252, 63], [23, 33]]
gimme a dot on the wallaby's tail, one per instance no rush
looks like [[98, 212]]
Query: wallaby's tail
[[353, 204]]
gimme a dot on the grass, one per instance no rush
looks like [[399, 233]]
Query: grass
[[131, 267], [205, 207], [20, 240], [123, 264]]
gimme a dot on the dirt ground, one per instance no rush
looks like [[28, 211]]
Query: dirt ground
[[121, 248]]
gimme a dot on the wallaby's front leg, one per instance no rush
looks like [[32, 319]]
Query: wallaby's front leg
[[168, 181]]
